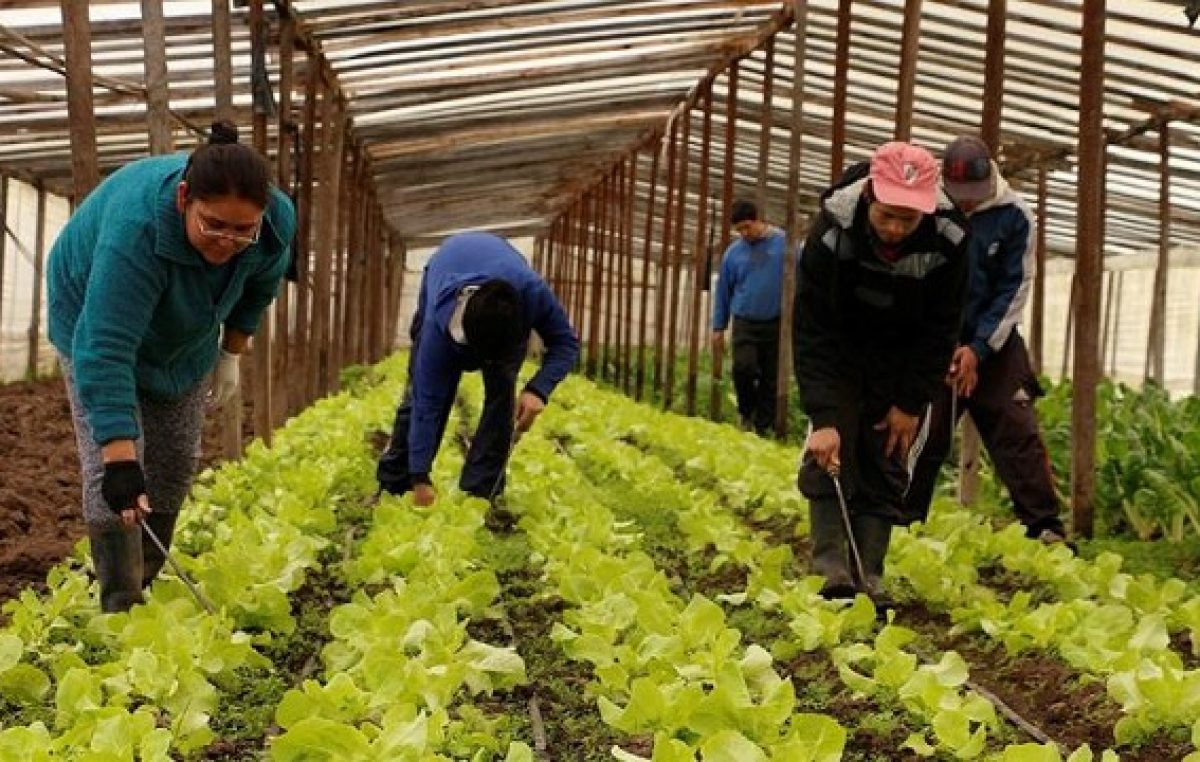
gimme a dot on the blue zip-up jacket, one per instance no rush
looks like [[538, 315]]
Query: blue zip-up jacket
[[1001, 256], [463, 260], [133, 304], [751, 280]]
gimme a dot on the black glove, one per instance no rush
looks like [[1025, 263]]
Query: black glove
[[123, 483]]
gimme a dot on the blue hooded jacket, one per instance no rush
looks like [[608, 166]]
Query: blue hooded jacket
[[1001, 254], [438, 363]]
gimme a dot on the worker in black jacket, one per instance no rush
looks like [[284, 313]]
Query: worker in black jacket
[[878, 300]]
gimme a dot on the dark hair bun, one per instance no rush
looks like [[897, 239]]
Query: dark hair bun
[[223, 132]]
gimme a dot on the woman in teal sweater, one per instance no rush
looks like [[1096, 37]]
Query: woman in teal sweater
[[155, 286]]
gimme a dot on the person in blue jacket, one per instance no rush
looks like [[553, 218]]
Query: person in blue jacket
[[749, 290], [155, 286], [990, 371], [478, 303]]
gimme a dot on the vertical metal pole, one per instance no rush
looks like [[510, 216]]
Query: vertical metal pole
[[1088, 258]]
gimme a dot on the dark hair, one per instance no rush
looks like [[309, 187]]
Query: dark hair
[[743, 210], [224, 167], [493, 321]]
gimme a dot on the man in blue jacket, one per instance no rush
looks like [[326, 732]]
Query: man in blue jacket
[[478, 303], [748, 289], [990, 370]]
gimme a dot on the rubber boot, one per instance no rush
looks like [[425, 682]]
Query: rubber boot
[[163, 526], [117, 559], [828, 535], [873, 534]]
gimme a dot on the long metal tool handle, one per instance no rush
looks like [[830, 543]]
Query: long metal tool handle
[[199, 596], [858, 564]]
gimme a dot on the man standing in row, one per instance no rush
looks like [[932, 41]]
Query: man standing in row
[[990, 371], [878, 302], [749, 289]]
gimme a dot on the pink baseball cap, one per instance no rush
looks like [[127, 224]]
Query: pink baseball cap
[[906, 175]]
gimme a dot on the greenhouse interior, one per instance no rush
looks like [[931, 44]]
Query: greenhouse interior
[[524, 380]]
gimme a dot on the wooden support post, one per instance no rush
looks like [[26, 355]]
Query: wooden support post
[[677, 256], [77, 49], [1069, 332], [731, 116], [1037, 329], [39, 258], [1156, 343], [1088, 262], [630, 198], [764, 125], [841, 77], [1109, 289], [647, 251], [1116, 324], [793, 222], [338, 266], [581, 265], [906, 80], [993, 92], [609, 251], [282, 370], [355, 204], [993, 73], [698, 321], [158, 98], [597, 284], [661, 295], [305, 353], [3, 238], [262, 347], [222, 60], [333, 134]]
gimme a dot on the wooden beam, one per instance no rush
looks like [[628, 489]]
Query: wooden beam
[[841, 75], [696, 329], [647, 250], [3, 237], [222, 47], [1038, 307], [676, 255], [158, 99], [993, 77], [794, 224], [906, 80], [77, 44], [34, 333], [628, 198], [764, 130], [1089, 266], [1156, 342]]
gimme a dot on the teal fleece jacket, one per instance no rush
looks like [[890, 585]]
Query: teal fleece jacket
[[135, 307]]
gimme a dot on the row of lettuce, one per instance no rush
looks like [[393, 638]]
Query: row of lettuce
[[400, 673]]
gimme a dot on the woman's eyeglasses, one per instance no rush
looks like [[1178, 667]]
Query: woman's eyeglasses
[[209, 229]]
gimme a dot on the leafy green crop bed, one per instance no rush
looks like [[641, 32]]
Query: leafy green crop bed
[[642, 593]]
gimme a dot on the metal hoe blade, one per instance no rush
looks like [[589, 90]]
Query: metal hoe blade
[[199, 596], [858, 564]]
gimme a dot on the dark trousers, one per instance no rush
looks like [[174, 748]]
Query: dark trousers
[[1003, 411], [755, 364], [483, 469], [872, 483]]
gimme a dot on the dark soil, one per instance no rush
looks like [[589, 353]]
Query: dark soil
[[40, 516]]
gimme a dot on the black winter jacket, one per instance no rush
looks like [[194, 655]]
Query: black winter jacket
[[870, 334]]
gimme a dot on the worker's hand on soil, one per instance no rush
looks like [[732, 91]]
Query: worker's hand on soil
[[424, 494], [964, 371], [902, 430], [225, 381], [124, 490], [529, 407], [825, 446]]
